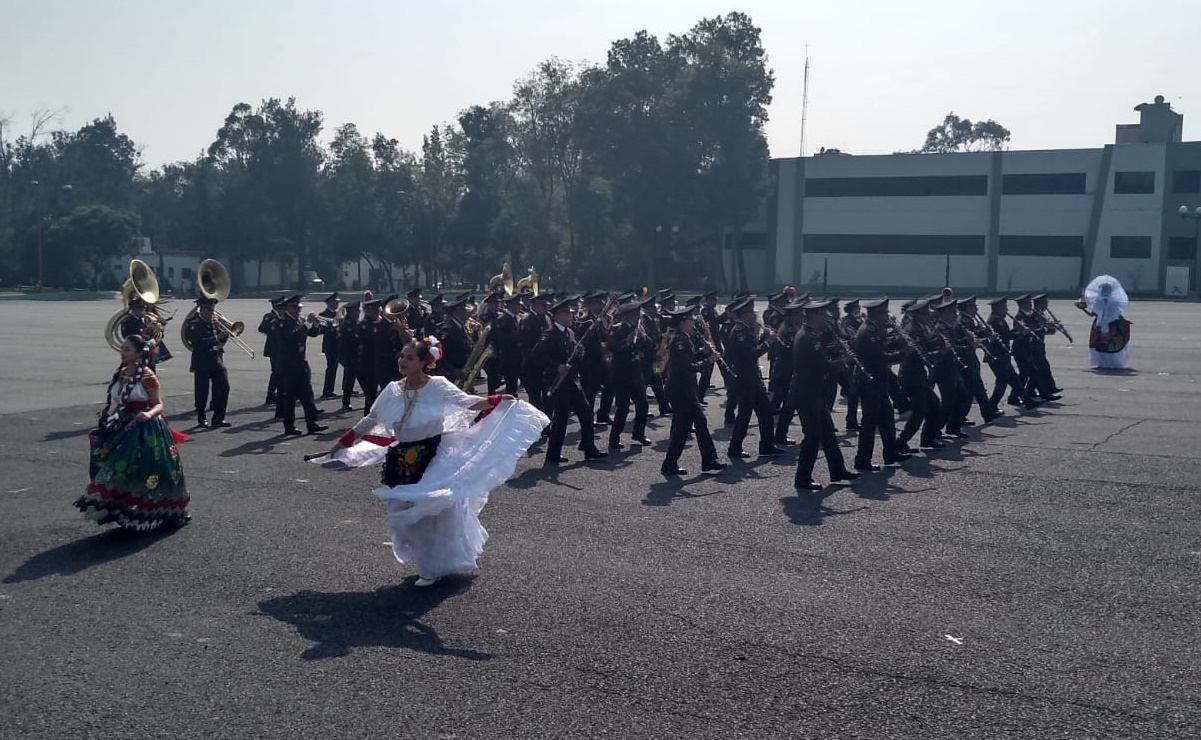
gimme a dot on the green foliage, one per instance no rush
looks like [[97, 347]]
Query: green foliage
[[90, 236], [582, 174], [957, 134]]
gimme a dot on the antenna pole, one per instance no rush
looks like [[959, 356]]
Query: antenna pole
[[805, 101]]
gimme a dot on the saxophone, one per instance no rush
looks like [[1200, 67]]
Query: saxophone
[[663, 352], [480, 353]]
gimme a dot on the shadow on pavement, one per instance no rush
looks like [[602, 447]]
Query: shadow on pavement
[[808, 508], [387, 617], [664, 492], [74, 557]]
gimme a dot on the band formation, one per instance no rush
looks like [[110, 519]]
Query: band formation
[[595, 356]]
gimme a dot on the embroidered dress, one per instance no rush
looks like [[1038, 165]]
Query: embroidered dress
[[1109, 335], [137, 477], [439, 467]]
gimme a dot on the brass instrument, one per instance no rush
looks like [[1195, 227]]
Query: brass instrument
[[212, 281], [394, 311], [141, 283], [480, 354], [1055, 322], [529, 281], [503, 281], [663, 352]]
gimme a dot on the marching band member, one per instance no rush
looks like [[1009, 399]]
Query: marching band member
[[811, 365], [329, 344], [683, 361], [208, 337], [295, 377], [554, 355]]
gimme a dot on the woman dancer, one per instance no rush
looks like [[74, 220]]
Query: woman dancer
[[441, 458], [137, 477], [1109, 336]]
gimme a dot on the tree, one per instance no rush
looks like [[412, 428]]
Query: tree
[[93, 234], [957, 134]]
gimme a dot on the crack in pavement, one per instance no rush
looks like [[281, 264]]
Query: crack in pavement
[[1126, 428]]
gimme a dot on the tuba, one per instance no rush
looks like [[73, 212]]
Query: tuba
[[528, 282], [394, 311], [503, 281], [141, 283], [212, 281]]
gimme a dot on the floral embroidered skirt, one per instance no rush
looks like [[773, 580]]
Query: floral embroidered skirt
[[137, 477], [406, 461]]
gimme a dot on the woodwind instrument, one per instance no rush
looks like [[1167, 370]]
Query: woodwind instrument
[[578, 351], [848, 352], [711, 349], [1055, 322], [910, 342]]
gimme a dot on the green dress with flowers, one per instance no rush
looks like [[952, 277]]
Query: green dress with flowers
[[137, 479]]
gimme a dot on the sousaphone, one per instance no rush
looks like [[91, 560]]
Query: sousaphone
[[141, 283], [503, 281], [212, 281]]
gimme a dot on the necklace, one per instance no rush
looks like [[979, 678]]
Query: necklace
[[410, 397]]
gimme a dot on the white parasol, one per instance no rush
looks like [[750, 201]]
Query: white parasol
[[1106, 299]]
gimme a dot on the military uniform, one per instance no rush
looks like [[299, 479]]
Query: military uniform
[[371, 335], [966, 336], [743, 350], [713, 330], [530, 329], [295, 377], [456, 346], [627, 347], [349, 343], [999, 343], [850, 324], [329, 346], [875, 356], [553, 350], [684, 360], [811, 368], [267, 329], [208, 366], [917, 382], [503, 340]]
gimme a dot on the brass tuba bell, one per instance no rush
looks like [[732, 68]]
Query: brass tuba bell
[[503, 281], [212, 280], [529, 281], [141, 283]]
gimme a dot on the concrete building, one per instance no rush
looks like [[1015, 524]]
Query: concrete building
[[990, 222]]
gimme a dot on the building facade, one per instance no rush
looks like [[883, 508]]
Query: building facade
[[990, 222]]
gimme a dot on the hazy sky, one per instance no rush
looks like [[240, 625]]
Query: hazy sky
[[1057, 73]]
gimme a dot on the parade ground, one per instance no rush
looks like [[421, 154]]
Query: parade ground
[[1038, 581]]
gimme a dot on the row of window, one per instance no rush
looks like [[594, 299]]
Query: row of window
[[1054, 183], [1120, 247]]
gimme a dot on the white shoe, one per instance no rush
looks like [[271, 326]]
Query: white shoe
[[423, 581]]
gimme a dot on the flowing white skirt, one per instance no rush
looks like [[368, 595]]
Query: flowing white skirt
[[435, 522], [1109, 360]]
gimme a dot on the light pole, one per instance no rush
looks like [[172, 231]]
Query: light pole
[[37, 187], [655, 248], [1195, 216]]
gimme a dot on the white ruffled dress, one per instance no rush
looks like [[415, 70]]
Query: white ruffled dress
[[435, 522]]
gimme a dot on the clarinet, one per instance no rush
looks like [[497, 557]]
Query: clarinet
[[846, 350], [711, 351], [1055, 322], [910, 342], [578, 351]]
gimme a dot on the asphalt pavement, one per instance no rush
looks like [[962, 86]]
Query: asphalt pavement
[[1038, 581]]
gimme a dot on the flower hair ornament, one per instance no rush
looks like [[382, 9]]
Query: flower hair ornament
[[149, 346], [433, 351]]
